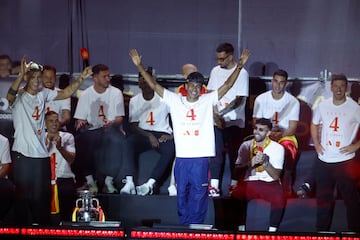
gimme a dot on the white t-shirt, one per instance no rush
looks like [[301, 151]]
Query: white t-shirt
[[29, 123], [340, 124], [99, 108], [193, 124], [58, 105], [274, 150], [152, 115], [4, 151], [217, 78], [279, 111], [62, 167]]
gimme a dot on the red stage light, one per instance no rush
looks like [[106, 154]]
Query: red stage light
[[9, 231], [180, 235], [72, 232]]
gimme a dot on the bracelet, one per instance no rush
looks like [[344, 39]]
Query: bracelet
[[12, 91]]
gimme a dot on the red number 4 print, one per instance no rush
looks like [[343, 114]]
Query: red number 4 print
[[335, 124]]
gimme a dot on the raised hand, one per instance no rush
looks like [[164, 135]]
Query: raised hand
[[243, 58], [24, 67], [135, 57], [86, 72]]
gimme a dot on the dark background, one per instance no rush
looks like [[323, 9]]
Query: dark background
[[302, 36]]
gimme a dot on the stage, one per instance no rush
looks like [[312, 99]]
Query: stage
[[159, 232]]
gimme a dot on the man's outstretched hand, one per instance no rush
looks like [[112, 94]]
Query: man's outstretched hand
[[135, 57]]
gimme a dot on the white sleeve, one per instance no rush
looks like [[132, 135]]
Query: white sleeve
[[5, 151]]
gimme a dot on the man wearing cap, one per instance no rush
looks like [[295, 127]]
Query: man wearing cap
[[30, 156], [192, 117]]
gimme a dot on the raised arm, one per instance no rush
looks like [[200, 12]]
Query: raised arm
[[11, 94], [69, 90], [136, 58], [231, 80]]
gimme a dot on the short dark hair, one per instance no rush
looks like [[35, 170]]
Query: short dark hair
[[7, 57], [117, 81], [49, 113], [196, 77], [281, 72], [225, 47], [264, 121], [338, 76], [98, 68], [64, 81], [50, 68]]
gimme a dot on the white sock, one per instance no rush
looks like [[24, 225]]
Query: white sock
[[151, 181], [272, 229], [109, 180], [90, 180], [214, 183]]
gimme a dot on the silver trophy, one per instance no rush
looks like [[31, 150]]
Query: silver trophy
[[87, 208]]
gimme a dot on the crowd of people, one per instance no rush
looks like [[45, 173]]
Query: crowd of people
[[192, 129]]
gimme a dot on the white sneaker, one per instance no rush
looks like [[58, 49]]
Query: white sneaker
[[129, 188], [241, 228], [214, 192], [172, 190], [109, 188], [145, 189], [91, 187]]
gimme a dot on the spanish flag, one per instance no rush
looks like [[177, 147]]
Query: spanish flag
[[55, 209]]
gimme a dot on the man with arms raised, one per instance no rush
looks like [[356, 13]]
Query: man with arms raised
[[193, 125]]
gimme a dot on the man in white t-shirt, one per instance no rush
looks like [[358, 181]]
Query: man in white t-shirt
[[229, 113], [150, 123], [334, 126], [257, 173], [283, 109], [62, 107], [7, 188], [61, 147], [30, 154], [99, 114], [193, 126]]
